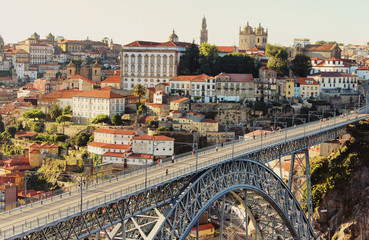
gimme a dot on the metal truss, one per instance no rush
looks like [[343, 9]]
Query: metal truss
[[184, 211], [162, 211]]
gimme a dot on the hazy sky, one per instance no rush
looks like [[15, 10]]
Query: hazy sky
[[153, 20]]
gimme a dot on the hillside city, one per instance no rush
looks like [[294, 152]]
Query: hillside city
[[91, 109]]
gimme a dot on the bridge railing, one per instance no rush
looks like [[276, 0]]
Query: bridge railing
[[295, 133]]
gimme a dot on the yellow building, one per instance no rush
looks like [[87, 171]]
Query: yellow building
[[289, 84], [195, 122], [36, 152], [205, 230]]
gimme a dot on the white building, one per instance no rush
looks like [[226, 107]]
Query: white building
[[201, 87], [88, 104], [150, 63], [102, 148], [162, 145], [114, 136], [336, 80], [362, 73], [332, 65], [159, 97], [39, 53]]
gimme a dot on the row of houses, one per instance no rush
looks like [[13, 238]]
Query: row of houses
[[128, 148]]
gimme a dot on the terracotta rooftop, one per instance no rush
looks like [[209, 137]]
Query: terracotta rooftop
[[237, 77], [102, 93], [82, 78], [320, 47], [226, 49], [155, 138], [208, 120], [108, 145], [139, 155], [53, 96], [157, 44], [112, 79], [192, 78], [115, 131], [303, 81], [25, 134], [333, 74], [180, 100]]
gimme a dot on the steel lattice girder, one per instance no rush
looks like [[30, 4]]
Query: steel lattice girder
[[111, 213], [214, 183]]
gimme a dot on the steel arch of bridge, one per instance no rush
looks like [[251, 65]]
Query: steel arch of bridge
[[185, 210]]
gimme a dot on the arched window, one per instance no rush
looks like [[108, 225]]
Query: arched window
[[158, 68], [146, 69], [133, 59], [152, 68], [152, 59], [164, 69], [126, 68], [171, 60], [139, 59], [165, 59], [139, 68], [132, 68], [146, 59], [158, 59]]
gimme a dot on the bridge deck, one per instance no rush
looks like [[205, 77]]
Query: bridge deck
[[28, 219]]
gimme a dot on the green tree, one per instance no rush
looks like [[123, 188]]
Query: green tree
[[38, 127], [163, 128], [301, 65], [237, 63], [67, 110], [34, 113], [139, 92], [11, 130], [81, 139], [277, 59], [321, 42], [62, 119], [52, 129], [116, 120], [19, 125], [2, 127], [208, 57], [55, 112], [189, 63], [101, 118]]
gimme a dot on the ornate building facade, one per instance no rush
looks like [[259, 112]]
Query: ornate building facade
[[250, 38], [203, 32], [150, 63]]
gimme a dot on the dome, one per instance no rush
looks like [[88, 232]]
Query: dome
[[71, 64], [259, 30], [1, 40], [173, 37], [96, 64], [247, 28]]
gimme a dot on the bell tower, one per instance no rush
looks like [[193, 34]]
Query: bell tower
[[71, 69], [204, 31], [96, 72]]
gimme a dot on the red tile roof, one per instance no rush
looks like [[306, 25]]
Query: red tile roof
[[155, 138], [102, 93], [82, 78], [108, 145], [203, 227], [320, 47], [115, 131], [112, 79], [192, 78], [208, 120], [363, 69], [237, 77], [139, 155], [302, 81], [157, 44], [113, 154], [180, 100], [333, 74], [226, 49], [25, 134], [54, 96]]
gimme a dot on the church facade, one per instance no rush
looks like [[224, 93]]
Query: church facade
[[252, 37]]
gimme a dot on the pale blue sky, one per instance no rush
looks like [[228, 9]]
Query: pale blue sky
[[153, 20]]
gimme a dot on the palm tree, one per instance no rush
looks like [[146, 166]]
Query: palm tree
[[139, 92]]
